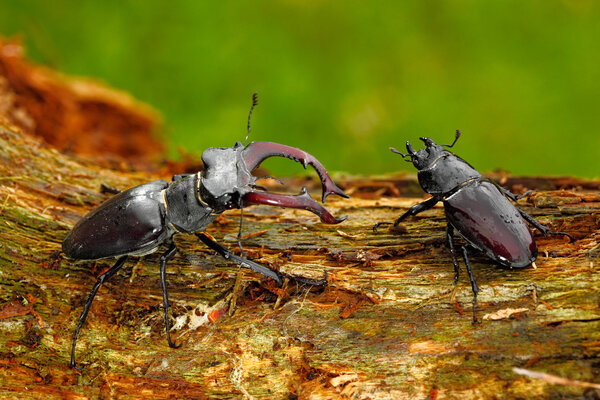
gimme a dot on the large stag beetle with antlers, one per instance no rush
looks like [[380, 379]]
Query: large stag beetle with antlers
[[139, 220]]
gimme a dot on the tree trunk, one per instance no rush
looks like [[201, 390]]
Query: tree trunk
[[387, 325]]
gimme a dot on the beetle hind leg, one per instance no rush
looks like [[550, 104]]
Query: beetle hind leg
[[163, 281], [473, 284], [88, 303], [542, 228]]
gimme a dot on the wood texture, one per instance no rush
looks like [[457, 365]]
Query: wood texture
[[385, 327]]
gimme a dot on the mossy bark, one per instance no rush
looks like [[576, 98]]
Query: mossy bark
[[384, 327]]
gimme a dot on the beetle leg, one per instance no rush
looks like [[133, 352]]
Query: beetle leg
[[473, 283], [544, 229], [163, 281], [417, 208], [377, 225], [519, 197], [239, 235], [450, 241], [88, 303], [512, 196], [228, 255], [414, 210], [104, 188]]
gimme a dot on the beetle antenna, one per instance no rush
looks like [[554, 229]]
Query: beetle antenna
[[393, 150], [455, 139], [254, 103]]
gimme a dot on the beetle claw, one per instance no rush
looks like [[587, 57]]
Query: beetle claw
[[571, 238], [377, 225]]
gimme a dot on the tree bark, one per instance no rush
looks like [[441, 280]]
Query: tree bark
[[386, 326]]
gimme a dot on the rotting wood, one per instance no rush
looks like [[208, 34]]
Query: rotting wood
[[385, 327], [76, 115]]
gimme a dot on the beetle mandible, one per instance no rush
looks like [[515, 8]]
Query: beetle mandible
[[139, 220], [475, 207]]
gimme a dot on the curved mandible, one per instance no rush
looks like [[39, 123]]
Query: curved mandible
[[301, 201], [257, 152]]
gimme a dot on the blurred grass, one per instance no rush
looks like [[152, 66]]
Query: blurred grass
[[346, 80]]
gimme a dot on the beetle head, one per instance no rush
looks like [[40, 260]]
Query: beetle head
[[227, 181], [423, 158]]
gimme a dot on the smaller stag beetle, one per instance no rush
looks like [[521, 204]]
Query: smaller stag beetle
[[139, 220], [476, 207]]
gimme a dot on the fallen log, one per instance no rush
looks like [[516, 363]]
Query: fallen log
[[389, 324]]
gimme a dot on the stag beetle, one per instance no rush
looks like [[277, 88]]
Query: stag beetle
[[476, 207], [139, 220]]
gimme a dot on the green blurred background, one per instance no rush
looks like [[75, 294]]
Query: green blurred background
[[345, 80]]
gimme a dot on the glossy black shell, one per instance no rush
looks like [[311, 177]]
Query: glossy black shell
[[131, 222], [489, 222], [445, 174], [185, 211]]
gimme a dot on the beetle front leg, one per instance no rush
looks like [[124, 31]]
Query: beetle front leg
[[239, 235], [163, 281], [228, 255], [88, 303], [473, 283], [414, 210], [544, 229]]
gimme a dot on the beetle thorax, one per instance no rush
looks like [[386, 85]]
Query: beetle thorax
[[445, 173]]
